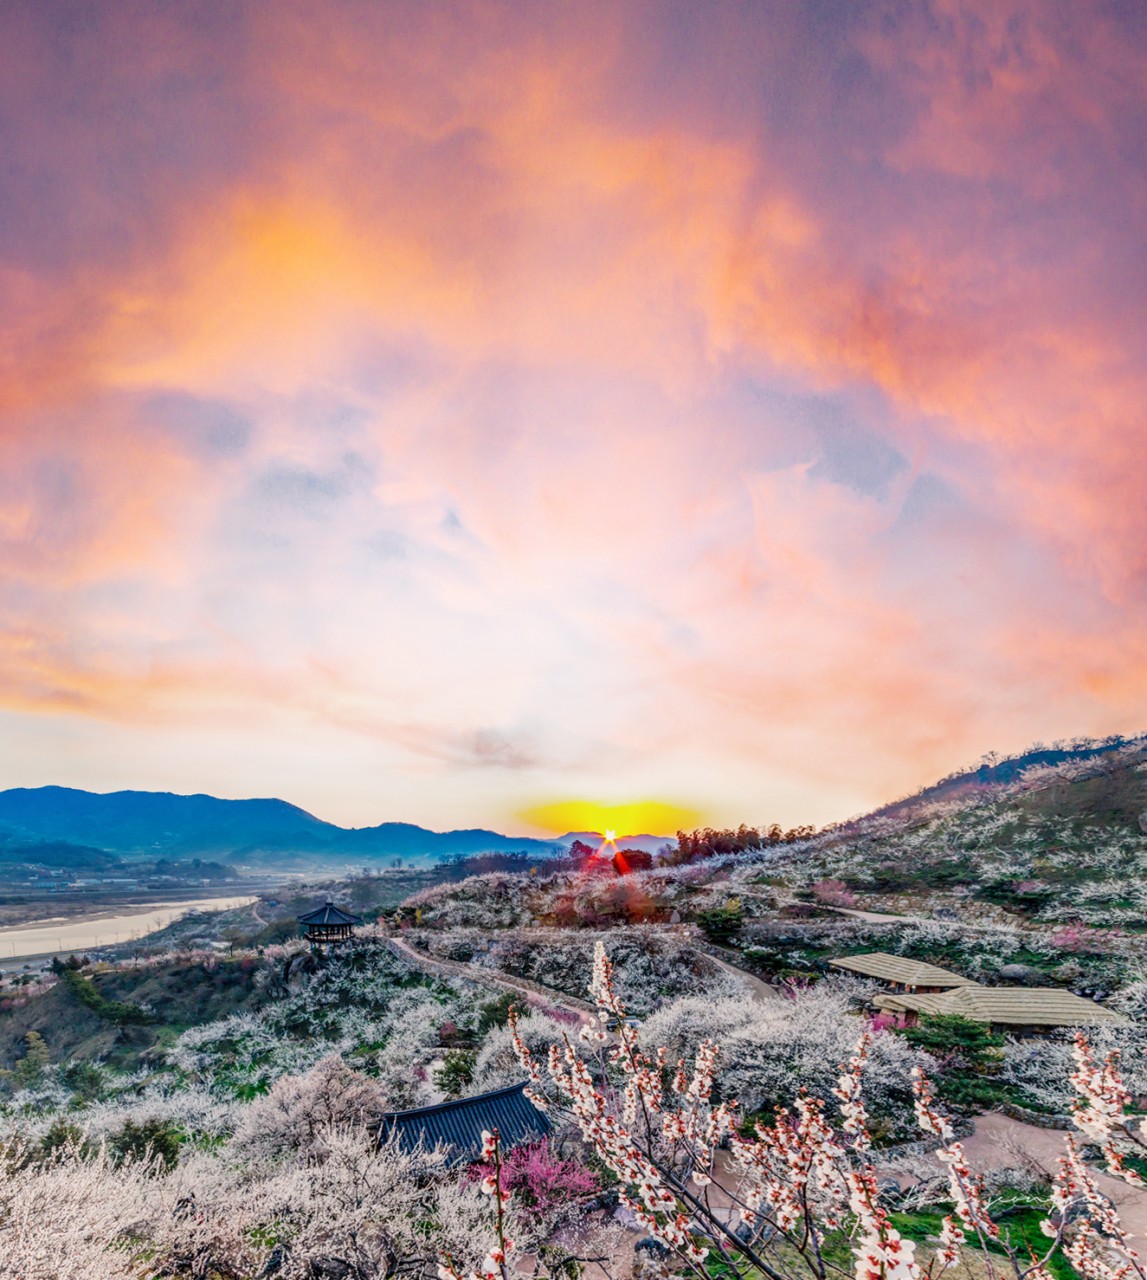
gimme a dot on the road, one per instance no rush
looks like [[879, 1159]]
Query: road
[[882, 917]]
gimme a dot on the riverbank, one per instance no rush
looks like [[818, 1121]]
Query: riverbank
[[103, 929]]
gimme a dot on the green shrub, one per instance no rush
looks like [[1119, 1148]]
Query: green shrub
[[968, 1054], [117, 1011], [722, 924], [85, 1080], [456, 1072], [147, 1139], [34, 1063], [496, 1013], [63, 1133]]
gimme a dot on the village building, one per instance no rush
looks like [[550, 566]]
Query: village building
[[327, 924], [1014, 1011], [458, 1126], [900, 973], [917, 989]]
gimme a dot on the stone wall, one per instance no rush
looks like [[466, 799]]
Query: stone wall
[[961, 1128], [1036, 1118]]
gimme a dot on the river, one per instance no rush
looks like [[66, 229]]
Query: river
[[57, 936]]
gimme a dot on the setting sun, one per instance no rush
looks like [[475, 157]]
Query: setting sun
[[640, 817]]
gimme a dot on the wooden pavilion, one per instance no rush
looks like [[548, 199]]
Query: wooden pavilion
[[328, 923]]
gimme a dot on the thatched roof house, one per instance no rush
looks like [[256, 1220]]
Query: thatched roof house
[[900, 973], [458, 1126], [1011, 1010]]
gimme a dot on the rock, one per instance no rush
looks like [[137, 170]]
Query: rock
[[1024, 973], [652, 1246], [675, 917], [298, 969], [328, 1269], [1079, 1211], [625, 1217], [944, 913], [276, 1261], [888, 1191]]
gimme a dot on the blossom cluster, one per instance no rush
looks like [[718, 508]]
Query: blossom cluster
[[658, 1130], [493, 1266]]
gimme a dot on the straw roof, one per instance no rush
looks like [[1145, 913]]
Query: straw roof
[[909, 973], [1006, 1006]]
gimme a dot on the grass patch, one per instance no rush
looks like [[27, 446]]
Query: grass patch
[[1019, 1227], [118, 1012]]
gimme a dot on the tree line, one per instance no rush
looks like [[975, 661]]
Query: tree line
[[709, 842]]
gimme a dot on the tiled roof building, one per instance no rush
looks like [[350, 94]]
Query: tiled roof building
[[919, 988], [458, 1125], [329, 923]]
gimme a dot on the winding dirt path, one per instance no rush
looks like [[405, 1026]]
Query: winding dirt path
[[759, 991], [491, 977], [999, 1142]]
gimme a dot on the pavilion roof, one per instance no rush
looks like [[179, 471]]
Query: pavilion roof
[[458, 1125], [328, 913]]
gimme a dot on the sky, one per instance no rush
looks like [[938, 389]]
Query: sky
[[447, 413]]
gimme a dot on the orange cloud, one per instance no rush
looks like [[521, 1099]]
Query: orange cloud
[[551, 369]]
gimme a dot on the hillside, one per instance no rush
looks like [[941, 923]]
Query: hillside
[[1048, 836], [994, 772], [138, 1009], [645, 842], [56, 854], [226, 1047], [262, 832], [1035, 872]]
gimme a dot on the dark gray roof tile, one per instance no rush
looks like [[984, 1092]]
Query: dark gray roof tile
[[328, 913], [458, 1125]]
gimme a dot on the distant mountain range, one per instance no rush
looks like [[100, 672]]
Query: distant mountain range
[[259, 832]]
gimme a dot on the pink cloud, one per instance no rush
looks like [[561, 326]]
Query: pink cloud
[[470, 386]]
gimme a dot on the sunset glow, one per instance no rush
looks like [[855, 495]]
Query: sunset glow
[[430, 412], [612, 821]]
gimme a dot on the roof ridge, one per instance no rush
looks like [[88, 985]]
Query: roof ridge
[[455, 1103]]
